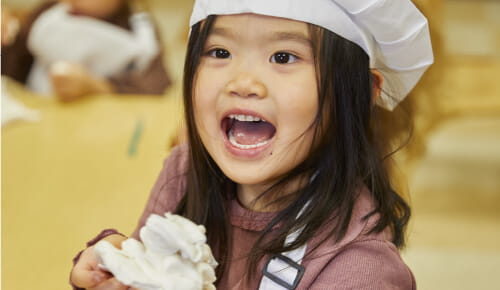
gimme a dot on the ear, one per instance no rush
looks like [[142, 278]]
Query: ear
[[377, 83]]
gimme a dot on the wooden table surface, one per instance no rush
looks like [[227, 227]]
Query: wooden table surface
[[83, 167]]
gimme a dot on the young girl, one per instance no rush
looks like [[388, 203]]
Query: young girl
[[284, 166]]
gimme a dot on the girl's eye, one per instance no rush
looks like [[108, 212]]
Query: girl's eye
[[219, 53], [283, 58]]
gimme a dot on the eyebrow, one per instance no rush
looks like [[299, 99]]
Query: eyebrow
[[274, 36], [294, 36], [221, 31]]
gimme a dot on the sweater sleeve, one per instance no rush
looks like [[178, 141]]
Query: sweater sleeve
[[370, 264], [154, 80], [168, 189]]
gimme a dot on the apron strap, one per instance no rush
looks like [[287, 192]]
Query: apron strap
[[283, 271]]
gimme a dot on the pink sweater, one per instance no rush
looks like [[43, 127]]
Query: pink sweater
[[359, 261]]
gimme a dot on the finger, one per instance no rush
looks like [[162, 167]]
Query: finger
[[86, 272], [88, 278], [110, 284]]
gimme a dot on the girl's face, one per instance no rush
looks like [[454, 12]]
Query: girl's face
[[95, 8], [255, 98]]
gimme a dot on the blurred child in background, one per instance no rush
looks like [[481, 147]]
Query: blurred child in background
[[76, 48]]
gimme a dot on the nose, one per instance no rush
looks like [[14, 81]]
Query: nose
[[246, 85]]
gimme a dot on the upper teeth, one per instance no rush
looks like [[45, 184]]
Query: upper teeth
[[245, 118]]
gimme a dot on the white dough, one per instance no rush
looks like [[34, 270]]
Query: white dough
[[173, 255]]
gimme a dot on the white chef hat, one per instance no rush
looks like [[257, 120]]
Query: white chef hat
[[393, 33]]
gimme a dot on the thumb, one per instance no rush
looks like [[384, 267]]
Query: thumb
[[86, 272]]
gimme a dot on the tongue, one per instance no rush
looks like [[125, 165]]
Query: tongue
[[250, 133]]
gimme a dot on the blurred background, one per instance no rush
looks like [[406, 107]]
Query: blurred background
[[72, 169]]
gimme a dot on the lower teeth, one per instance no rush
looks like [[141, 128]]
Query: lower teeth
[[232, 140]]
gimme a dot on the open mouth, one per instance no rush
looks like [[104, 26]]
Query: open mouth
[[247, 131]]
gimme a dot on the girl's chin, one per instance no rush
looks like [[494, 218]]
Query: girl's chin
[[245, 179]]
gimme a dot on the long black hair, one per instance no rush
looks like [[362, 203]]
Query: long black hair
[[346, 156]]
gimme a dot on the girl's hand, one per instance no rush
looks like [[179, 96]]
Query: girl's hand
[[72, 81], [87, 274]]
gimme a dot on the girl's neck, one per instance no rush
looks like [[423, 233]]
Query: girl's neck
[[252, 197], [248, 196]]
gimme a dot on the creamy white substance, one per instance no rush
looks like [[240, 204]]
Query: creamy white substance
[[173, 255]]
